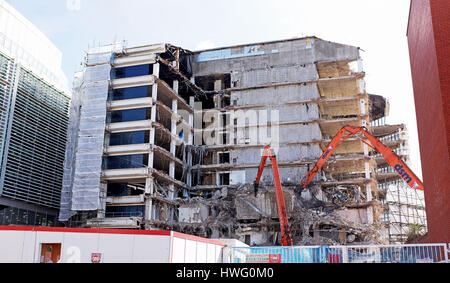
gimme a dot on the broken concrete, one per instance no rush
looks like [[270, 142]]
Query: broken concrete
[[254, 220]]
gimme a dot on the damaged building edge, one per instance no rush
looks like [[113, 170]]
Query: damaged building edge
[[129, 163]]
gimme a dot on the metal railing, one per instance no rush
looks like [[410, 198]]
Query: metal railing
[[419, 253]]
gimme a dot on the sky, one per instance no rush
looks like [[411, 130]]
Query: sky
[[378, 27]]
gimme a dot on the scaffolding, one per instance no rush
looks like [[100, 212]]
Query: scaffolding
[[405, 212]]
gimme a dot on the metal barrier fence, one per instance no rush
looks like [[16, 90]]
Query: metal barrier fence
[[420, 253]]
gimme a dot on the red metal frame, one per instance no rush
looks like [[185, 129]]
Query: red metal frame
[[392, 159], [286, 238]]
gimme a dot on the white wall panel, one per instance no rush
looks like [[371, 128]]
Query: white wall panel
[[116, 248], [25, 246], [11, 247], [191, 252], [178, 250], [151, 249]]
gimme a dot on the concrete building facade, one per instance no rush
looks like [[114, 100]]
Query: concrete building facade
[[164, 138], [34, 105], [125, 159], [429, 41]]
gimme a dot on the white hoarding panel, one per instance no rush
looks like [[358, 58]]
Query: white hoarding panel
[[190, 252], [151, 249], [11, 246], [178, 250]]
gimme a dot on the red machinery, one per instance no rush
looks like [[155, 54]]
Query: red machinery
[[286, 238], [400, 167]]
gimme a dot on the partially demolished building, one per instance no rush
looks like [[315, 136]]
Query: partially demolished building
[[164, 138]]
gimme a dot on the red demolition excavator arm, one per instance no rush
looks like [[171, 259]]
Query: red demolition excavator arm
[[286, 238], [400, 167]]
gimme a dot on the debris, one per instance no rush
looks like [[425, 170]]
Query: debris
[[240, 214]]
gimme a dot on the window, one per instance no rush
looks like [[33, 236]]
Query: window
[[125, 211], [131, 93], [130, 115], [129, 138], [223, 179], [126, 161], [133, 71], [125, 189], [223, 157]]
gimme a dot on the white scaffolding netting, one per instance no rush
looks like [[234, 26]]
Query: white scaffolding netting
[[84, 152]]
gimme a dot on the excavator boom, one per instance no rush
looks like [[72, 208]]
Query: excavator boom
[[286, 238], [392, 159]]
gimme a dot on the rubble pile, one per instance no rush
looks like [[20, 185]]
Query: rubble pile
[[240, 213]]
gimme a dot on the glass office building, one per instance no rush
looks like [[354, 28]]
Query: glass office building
[[34, 105]]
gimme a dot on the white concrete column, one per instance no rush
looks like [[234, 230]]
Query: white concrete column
[[149, 190], [362, 86], [368, 186], [101, 212], [173, 141], [171, 193], [363, 106], [190, 141], [156, 68], [360, 66], [155, 91]]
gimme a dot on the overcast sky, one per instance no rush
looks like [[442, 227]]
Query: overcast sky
[[377, 26]]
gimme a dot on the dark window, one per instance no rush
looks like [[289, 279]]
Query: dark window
[[117, 190], [130, 115], [224, 179], [129, 138], [134, 71], [16, 216], [127, 161], [131, 93], [124, 189], [125, 211], [224, 157]]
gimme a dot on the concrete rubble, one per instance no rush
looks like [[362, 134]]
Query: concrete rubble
[[237, 213]]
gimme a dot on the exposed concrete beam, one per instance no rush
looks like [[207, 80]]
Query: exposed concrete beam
[[182, 78], [133, 82], [139, 174], [124, 127], [159, 175], [126, 174], [381, 131], [244, 146], [120, 150], [147, 49], [126, 201], [128, 61], [255, 165], [117, 105], [164, 200], [167, 155], [167, 91], [175, 116]]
